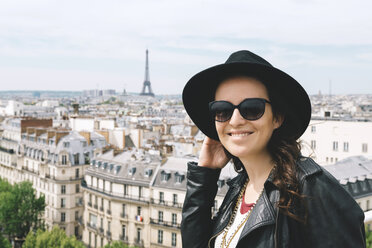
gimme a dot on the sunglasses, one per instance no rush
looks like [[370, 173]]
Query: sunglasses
[[250, 109]]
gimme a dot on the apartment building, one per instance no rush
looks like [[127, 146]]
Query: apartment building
[[12, 129], [355, 176], [117, 198], [137, 198], [328, 141], [54, 161]]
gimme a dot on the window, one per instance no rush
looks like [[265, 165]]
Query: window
[[214, 208], [64, 159], [138, 234], [76, 231], [346, 146], [139, 191], [123, 231], [109, 226], [138, 210], [174, 219], [76, 158], [63, 189], [161, 197], [160, 236], [76, 215], [77, 187], [160, 216], [364, 147], [313, 144], [313, 129], [175, 199], [125, 189], [174, 239], [77, 173], [66, 144], [63, 217], [335, 146], [63, 202]]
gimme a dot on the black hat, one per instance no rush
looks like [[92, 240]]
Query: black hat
[[293, 99]]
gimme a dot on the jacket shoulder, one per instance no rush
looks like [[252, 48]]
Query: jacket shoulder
[[307, 167]]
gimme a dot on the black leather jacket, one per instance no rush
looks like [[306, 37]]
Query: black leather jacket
[[334, 218]]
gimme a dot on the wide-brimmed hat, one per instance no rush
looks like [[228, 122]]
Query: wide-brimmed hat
[[293, 100]]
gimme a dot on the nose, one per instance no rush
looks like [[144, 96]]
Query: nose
[[236, 118]]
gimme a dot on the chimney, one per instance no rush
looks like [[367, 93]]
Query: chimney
[[40, 131], [86, 135], [105, 134], [60, 134]]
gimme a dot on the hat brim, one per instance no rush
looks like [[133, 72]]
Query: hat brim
[[201, 88]]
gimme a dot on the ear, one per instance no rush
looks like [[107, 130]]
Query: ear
[[278, 121]]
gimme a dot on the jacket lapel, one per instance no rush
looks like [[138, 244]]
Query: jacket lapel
[[262, 214]]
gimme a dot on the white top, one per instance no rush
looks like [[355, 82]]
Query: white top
[[239, 219]]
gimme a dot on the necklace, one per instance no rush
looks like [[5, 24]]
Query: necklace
[[226, 243]]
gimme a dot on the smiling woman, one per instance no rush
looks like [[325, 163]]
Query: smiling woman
[[253, 113]]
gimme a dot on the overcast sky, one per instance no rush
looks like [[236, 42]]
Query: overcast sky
[[87, 44]]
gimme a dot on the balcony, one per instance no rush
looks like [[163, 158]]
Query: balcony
[[139, 242], [165, 223], [108, 211], [166, 203], [92, 226], [101, 231], [95, 206], [108, 234], [89, 204], [123, 216], [124, 239], [115, 194], [101, 209]]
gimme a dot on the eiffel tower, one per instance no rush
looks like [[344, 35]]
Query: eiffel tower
[[146, 83]]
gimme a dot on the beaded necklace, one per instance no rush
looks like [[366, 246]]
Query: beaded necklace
[[225, 243]]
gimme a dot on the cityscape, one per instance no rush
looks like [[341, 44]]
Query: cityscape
[[111, 166]]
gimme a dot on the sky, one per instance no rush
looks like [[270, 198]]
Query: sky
[[89, 44]]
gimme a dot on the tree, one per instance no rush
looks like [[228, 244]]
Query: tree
[[118, 244], [4, 243], [56, 238], [368, 238], [20, 209]]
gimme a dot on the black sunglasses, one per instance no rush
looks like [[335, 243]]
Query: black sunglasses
[[250, 109]]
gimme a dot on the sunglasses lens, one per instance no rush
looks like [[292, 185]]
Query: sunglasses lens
[[221, 110], [252, 109]]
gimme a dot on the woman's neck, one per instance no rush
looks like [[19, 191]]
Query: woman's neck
[[258, 168]]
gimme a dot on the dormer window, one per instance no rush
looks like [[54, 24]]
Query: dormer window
[[98, 164], [148, 172], [66, 144], [117, 169], [131, 171], [165, 176], [110, 167], [104, 166], [179, 177]]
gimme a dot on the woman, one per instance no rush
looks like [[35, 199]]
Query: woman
[[253, 113]]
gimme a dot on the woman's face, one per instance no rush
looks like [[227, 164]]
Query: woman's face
[[241, 137]]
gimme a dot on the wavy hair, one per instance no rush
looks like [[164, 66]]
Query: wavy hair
[[285, 151]]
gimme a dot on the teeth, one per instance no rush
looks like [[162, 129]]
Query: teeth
[[240, 134]]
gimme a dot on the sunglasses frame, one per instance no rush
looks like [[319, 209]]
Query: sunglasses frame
[[264, 101]]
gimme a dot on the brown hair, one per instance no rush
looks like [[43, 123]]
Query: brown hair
[[285, 151]]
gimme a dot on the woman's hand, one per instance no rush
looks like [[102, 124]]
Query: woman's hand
[[212, 154]]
